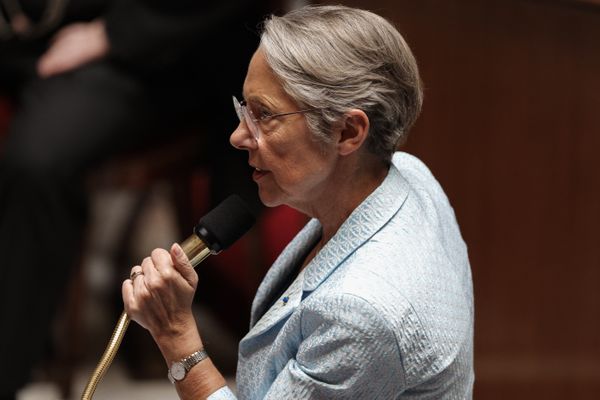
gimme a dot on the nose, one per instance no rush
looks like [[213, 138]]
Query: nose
[[242, 138]]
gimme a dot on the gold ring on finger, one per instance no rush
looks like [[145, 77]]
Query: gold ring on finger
[[135, 275]]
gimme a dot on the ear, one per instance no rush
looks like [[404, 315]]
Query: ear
[[353, 132]]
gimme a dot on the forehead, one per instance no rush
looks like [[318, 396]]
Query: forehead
[[262, 84]]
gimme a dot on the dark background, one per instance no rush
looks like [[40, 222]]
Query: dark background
[[510, 127]]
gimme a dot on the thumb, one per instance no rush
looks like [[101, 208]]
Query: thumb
[[182, 264]]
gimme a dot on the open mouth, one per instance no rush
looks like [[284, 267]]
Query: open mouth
[[258, 173]]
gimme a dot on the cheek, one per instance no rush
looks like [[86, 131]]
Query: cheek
[[287, 175], [283, 161], [297, 165], [301, 176]]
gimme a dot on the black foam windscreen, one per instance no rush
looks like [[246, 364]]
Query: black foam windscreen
[[225, 224]]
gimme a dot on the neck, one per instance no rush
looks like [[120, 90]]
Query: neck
[[354, 180]]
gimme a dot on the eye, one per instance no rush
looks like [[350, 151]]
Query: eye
[[258, 110], [263, 113]]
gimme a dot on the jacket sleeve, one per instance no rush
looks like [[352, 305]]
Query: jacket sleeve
[[348, 352], [222, 394]]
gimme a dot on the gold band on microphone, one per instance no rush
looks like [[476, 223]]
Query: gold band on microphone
[[195, 250]]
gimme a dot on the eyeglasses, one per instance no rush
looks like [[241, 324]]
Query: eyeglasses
[[245, 115]]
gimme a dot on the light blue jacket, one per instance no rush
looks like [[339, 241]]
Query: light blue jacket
[[384, 310]]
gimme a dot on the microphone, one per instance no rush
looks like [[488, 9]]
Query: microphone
[[216, 231]]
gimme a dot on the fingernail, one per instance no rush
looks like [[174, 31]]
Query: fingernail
[[177, 249]]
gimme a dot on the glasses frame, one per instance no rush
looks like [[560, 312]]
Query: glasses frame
[[245, 115]]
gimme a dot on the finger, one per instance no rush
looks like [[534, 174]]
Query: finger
[[130, 303], [183, 265], [139, 283], [128, 296], [135, 272], [162, 261], [154, 275], [148, 265]]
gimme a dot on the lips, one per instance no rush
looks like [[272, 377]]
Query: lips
[[258, 174]]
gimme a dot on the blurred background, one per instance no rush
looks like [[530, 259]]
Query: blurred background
[[510, 127]]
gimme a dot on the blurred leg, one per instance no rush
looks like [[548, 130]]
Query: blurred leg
[[62, 127]]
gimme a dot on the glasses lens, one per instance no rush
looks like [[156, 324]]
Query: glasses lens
[[238, 109], [245, 115], [250, 122]]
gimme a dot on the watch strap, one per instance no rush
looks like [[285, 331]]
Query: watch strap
[[187, 363], [193, 359]]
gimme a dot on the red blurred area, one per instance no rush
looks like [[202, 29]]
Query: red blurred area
[[5, 113]]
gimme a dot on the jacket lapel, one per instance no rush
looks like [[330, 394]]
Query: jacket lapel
[[284, 265], [368, 218]]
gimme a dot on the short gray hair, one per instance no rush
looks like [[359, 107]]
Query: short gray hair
[[336, 58]]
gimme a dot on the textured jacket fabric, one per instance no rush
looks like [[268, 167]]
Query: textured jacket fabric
[[384, 310]]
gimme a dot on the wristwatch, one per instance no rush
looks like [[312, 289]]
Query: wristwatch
[[179, 369]]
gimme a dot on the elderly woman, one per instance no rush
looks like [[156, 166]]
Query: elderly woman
[[373, 298]]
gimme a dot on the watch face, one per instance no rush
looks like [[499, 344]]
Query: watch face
[[177, 371]]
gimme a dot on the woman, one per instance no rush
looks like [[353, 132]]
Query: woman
[[373, 298]]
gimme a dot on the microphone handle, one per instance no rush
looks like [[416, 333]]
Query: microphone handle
[[196, 251]]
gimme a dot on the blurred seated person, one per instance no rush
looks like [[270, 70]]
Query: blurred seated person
[[90, 79], [373, 298]]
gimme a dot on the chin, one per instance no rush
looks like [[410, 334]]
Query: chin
[[269, 202], [269, 199]]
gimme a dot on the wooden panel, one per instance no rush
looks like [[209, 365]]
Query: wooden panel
[[511, 127]]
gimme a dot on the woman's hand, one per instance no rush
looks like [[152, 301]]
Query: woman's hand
[[160, 298], [74, 46]]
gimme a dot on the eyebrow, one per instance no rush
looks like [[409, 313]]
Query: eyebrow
[[261, 101]]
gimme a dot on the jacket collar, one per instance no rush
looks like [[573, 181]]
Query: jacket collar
[[367, 219]]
